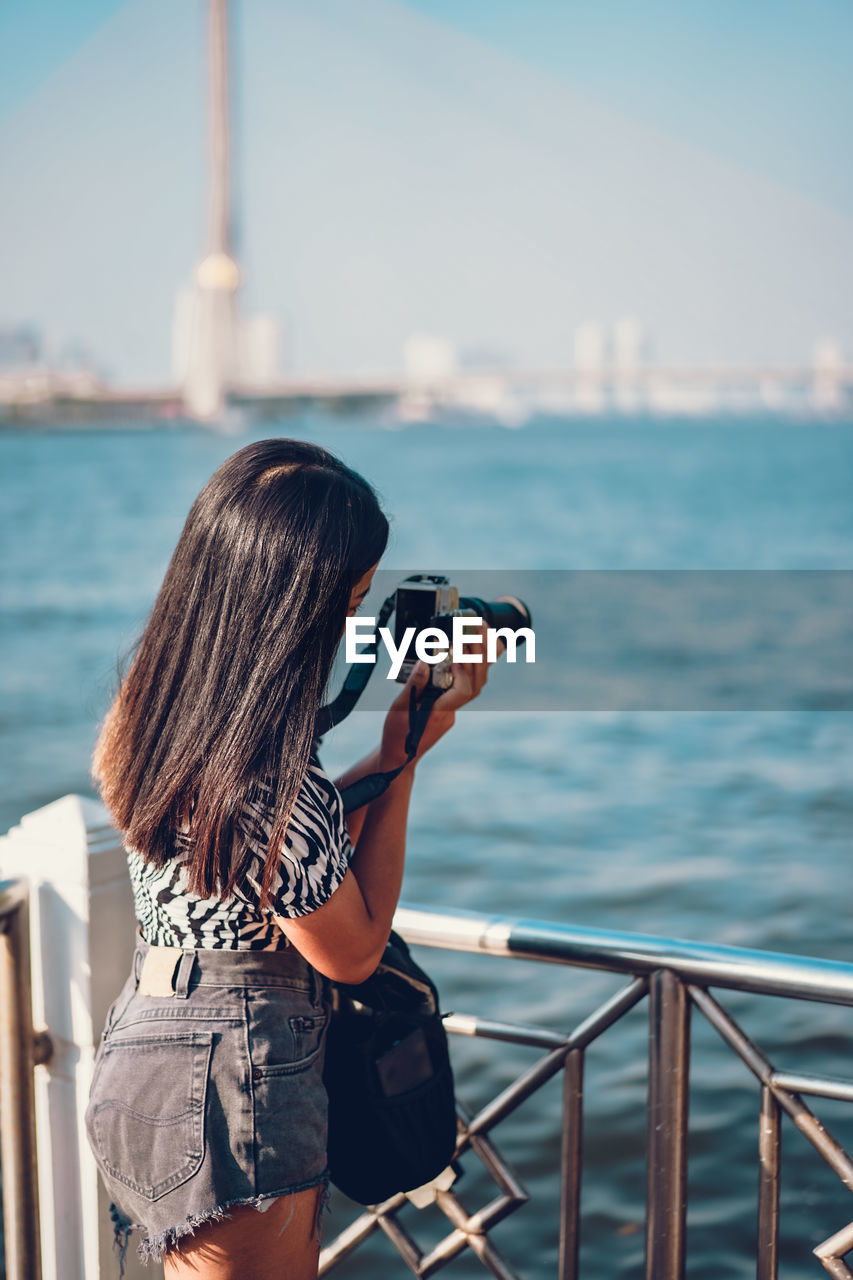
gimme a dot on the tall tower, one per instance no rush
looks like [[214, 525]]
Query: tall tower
[[206, 334]]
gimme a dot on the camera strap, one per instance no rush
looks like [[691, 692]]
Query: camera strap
[[356, 682], [372, 785]]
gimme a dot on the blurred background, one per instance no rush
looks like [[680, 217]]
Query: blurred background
[[570, 284]]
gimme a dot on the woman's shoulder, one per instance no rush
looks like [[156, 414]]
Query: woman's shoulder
[[316, 786], [317, 813], [324, 787], [314, 854]]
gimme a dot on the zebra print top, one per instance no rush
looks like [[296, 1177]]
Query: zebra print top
[[313, 863]]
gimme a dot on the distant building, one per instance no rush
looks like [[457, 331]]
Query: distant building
[[31, 378], [590, 359], [590, 347], [258, 342], [20, 347], [827, 386], [428, 359], [629, 356], [630, 345], [249, 362], [773, 395]]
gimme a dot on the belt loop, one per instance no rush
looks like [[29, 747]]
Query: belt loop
[[137, 965], [182, 977]]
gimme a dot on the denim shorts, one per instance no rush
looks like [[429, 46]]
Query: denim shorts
[[211, 1096]]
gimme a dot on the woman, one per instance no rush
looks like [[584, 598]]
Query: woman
[[207, 1112]]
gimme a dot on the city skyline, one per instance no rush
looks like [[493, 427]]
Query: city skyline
[[421, 183]]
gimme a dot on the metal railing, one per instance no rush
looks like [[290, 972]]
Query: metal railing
[[21, 1048], [675, 976]]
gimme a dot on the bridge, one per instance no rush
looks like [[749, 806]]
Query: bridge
[[49, 399]]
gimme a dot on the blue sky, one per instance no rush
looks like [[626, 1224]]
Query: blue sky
[[493, 172], [765, 83]]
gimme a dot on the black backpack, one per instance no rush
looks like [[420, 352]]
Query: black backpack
[[392, 1115]]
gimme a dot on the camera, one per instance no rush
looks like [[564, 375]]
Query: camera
[[430, 600]]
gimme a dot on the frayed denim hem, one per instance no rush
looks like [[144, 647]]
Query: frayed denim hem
[[153, 1248]]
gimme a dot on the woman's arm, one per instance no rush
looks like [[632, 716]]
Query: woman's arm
[[345, 937]]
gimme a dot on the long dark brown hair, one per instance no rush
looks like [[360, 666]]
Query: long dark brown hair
[[227, 678]]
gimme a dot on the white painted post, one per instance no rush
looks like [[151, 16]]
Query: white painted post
[[82, 935]]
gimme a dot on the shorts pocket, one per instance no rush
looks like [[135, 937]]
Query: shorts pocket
[[272, 1070], [145, 1118], [290, 1110], [307, 1031]]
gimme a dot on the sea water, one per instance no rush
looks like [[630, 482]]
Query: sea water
[[728, 827]]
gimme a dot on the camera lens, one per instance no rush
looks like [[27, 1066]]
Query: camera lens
[[508, 611]]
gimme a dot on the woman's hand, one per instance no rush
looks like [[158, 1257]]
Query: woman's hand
[[345, 937], [469, 679]]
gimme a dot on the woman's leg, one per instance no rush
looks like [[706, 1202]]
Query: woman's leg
[[280, 1242]]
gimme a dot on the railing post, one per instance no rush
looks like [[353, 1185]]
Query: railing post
[[669, 1065], [769, 1161], [572, 1165], [82, 936], [17, 1116]]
